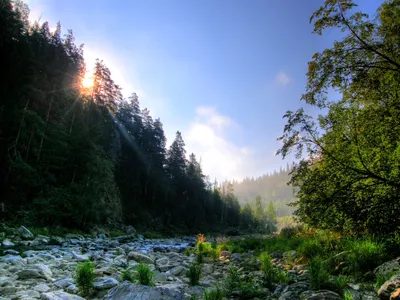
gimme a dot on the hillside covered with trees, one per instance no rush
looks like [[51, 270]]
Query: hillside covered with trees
[[269, 187], [77, 156]]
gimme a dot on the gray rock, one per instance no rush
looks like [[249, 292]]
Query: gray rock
[[207, 269], [29, 294], [320, 295], [139, 257], [35, 271], [276, 254], [163, 261], [176, 271], [289, 255], [80, 257], [8, 290], [289, 296], [130, 229], [103, 283], [60, 295], [388, 267], [71, 289], [42, 288], [25, 233], [11, 251], [389, 287], [236, 257], [8, 243], [161, 277], [128, 291], [298, 287], [12, 258], [63, 283]]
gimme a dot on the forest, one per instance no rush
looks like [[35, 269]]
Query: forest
[[269, 187], [77, 156]]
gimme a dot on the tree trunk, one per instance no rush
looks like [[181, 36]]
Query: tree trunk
[[47, 120]]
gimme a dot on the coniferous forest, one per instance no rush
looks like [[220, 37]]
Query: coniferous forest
[[76, 156]]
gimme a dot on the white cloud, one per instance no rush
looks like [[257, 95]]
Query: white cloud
[[282, 79], [205, 137]]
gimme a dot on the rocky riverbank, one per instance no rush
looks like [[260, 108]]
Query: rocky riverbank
[[41, 267]]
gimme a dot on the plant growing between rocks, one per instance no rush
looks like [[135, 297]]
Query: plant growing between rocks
[[319, 276], [127, 275], [194, 273], [213, 294], [84, 277], [144, 275]]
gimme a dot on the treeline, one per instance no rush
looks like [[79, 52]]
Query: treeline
[[269, 187], [75, 156], [349, 173]]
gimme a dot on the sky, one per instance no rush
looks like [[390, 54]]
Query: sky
[[223, 72]]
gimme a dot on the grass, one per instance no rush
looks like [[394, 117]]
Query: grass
[[127, 275], [232, 282], [271, 274], [213, 294], [84, 277], [382, 278], [194, 273], [348, 295], [319, 275], [144, 275]]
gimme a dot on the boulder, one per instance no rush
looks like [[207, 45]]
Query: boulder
[[176, 271], [8, 243], [63, 283], [25, 233], [35, 271], [388, 267], [320, 295], [60, 295], [139, 257], [42, 288], [104, 283], [289, 296], [389, 287], [128, 291]]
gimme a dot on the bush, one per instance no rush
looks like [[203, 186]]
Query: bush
[[340, 283], [348, 295], [144, 275], [189, 251], [272, 275], [200, 257], [319, 276], [311, 248], [213, 294], [84, 277], [289, 231], [194, 273], [364, 255], [232, 282], [127, 275], [250, 290]]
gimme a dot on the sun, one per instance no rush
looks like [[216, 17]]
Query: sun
[[87, 81]]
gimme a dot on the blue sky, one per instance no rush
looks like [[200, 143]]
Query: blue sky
[[223, 72]]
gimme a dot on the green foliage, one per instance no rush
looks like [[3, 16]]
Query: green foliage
[[311, 248], [233, 280], [213, 294], [189, 251], [199, 257], [348, 295], [288, 231], [382, 278], [144, 275], [364, 255], [127, 275], [319, 275], [340, 283], [272, 275], [194, 273], [350, 151], [84, 277]]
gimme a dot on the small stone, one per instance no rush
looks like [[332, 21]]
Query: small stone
[[139, 257], [60, 295], [11, 251], [42, 288], [8, 243], [103, 283], [63, 283]]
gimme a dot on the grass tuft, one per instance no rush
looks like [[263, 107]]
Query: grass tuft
[[144, 275], [84, 277], [194, 273]]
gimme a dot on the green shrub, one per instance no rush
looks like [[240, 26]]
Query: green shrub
[[200, 257], [348, 295], [311, 248], [364, 255], [144, 275], [189, 251], [213, 254], [232, 282], [319, 275], [339, 283], [213, 294], [249, 290], [272, 275], [289, 231], [194, 273], [84, 277], [127, 275]]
